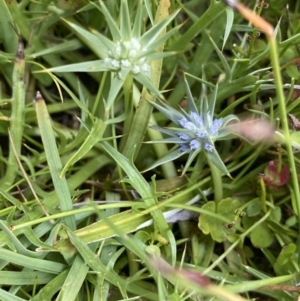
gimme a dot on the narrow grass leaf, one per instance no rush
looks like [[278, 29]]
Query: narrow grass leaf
[[92, 66], [115, 87], [246, 286], [167, 158], [138, 20], [223, 60], [6, 296], [8, 36], [53, 159], [190, 98], [74, 280], [128, 221], [125, 21], [152, 34], [113, 28], [99, 41], [145, 81], [229, 23], [93, 261], [24, 278], [157, 43], [49, 290], [217, 161], [16, 125], [94, 136], [215, 9], [149, 11], [32, 263], [19, 247], [65, 46]]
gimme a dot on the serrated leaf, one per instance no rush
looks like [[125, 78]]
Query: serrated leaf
[[214, 226]]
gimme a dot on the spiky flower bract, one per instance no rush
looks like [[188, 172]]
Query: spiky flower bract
[[128, 53], [196, 132]]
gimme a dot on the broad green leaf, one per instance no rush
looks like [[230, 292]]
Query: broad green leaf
[[213, 226], [261, 236], [286, 253], [276, 214], [254, 208]]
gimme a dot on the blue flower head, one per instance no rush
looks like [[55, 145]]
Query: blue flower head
[[197, 131]]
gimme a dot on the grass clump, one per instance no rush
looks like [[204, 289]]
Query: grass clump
[[159, 158]]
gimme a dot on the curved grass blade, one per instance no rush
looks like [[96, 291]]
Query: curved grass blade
[[6, 296], [228, 27], [16, 118], [53, 159], [94, 136], [32, 263]]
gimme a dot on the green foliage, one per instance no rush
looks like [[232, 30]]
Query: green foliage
[[212, 224], [170, 88]]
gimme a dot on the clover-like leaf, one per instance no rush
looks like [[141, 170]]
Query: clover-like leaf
[[261, 236], [214, 223], [286, 253]]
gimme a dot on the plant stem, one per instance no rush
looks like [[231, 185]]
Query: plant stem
[[16, 118], [217, 182]]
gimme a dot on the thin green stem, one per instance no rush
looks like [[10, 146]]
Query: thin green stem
[[263, 195], [217, 182], [284, 121]]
